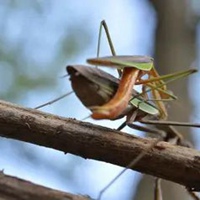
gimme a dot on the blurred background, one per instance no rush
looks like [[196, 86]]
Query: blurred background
[[39, 38]]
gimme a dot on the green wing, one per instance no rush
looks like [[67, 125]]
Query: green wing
[[146, 107], [140, 62]]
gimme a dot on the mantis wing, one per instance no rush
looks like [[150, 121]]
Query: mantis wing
[[144, 63], [148, 108]]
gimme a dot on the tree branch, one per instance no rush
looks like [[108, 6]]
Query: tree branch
[[15, 188], [174, 163]]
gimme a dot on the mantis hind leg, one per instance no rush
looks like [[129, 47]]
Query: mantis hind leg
[[158, 94], [154, 73]]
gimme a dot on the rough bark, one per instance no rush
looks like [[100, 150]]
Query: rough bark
[[99, 143], [12, 188]]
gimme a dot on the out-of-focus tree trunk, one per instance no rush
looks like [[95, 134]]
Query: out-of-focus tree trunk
[[174, 51]]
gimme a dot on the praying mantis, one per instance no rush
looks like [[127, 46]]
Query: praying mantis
[[134, 68], [115, 98], [90, 82]]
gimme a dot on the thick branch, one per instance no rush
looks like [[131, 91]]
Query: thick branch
[[15, 188], [174, 163]]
